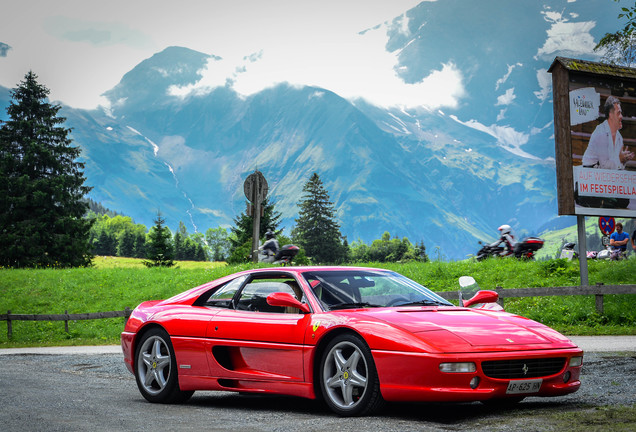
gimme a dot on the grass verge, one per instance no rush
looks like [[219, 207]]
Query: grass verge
[[116, 283]]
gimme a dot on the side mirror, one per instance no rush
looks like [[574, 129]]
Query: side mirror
[[484, 296], [286, 300], [466, 281]]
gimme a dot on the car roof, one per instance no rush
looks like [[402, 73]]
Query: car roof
[[189, 295]]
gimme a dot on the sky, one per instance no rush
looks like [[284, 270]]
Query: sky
[[81, 48]]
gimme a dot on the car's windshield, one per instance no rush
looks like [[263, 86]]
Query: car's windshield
[[369, 288]]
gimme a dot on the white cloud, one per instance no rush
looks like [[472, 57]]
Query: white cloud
[[544, 78], [506, 98], [536, 130], [566, 38], [502, 114], [80, 49], [353, 66], [503, 79]]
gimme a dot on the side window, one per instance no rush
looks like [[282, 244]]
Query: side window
[[254, 296], [222, 297]]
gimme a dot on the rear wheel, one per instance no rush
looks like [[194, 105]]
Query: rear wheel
[[156, 369], [348, 379]]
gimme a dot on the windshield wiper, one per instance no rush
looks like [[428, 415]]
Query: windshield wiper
[[421, 303], [352, 305]]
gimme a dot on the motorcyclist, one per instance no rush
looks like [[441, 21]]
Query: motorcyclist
[[507, 239], [270, 247]]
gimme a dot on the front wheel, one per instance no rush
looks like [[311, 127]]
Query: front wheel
[[348, 379], [156, 369]]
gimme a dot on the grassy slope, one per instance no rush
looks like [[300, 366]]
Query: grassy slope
[[117, 283]]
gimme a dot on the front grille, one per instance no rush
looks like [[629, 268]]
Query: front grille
[[523, 368]]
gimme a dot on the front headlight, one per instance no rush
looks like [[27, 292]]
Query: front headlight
[[576, 361], [463, 367]]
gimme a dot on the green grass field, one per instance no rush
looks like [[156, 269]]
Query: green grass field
[[116, 283]]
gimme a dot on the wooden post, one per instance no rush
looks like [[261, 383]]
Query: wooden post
[[580, 224], [9, 326], [255, 188], [500, 300], [257, 227], [126, 315], [66, 321], [599, 300]]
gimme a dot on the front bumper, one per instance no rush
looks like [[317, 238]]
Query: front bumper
[[417, 377]]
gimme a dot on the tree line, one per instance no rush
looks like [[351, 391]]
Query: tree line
[[119, 235]]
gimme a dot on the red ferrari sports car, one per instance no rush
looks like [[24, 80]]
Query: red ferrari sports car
[[355, 337]]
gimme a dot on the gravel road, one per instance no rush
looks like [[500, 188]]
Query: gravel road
[[78, 392]]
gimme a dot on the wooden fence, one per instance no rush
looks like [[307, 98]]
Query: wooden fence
[[66, 317], [598, 290]]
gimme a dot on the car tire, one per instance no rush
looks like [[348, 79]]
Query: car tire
[[349, 381], [156, 369]]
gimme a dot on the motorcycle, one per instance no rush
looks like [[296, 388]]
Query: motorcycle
[[607, 253], [524, 249], [568, 251], [284, 256]]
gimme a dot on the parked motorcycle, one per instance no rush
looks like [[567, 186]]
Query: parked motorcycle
[[607, 253], [524, 249], [284, 256], [568, 251]]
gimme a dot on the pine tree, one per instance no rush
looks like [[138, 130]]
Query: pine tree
[[126, 243], [41, 185], [159, 250], [179, 242], [317, 230], [241, 234]]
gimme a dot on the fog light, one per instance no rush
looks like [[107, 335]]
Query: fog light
[[576, 361], [566, 377], [474, 383], [464, 367]]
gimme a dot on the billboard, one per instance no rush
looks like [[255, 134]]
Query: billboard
[[595, 138]]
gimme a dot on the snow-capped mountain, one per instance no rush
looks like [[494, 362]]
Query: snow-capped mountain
[[447, 177]]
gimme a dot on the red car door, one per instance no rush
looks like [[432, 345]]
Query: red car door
[[256, 340]]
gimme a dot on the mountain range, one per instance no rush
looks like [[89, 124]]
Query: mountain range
[[448, 177]]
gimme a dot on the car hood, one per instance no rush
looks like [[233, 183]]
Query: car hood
[[475, 327]]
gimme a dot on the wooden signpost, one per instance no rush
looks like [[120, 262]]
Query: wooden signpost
[[255, 188]]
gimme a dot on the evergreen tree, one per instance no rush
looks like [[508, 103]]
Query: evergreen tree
[[317, 231], [126, 244], [159, 250], [105, 244], [420, 251], [140, 245], [201, 252], [241, 234], [41, 185], [179, 242]]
